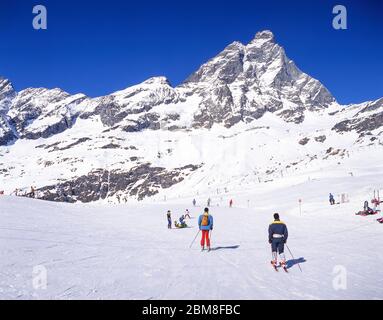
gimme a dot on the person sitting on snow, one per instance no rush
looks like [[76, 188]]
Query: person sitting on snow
[[180, 226], [366, 210], [182, 223]]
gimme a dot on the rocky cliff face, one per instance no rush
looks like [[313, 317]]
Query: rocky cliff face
[[142, 129], [101, 184], [7, 94]]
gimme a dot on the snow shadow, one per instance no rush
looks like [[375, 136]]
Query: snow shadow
[[188, 227], [225, 248], [293, 262]]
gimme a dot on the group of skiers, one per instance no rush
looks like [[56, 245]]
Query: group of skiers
[[208, 202], [278, 235], [366, 208], [181, 221], [205, 223], [278, 232]]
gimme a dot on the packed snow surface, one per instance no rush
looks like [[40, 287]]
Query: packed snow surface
[[102, 251]]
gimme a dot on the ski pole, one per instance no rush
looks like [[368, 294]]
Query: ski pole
[[293, 257], [194, 239]]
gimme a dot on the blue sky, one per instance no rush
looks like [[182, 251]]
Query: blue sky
[[97, 47]]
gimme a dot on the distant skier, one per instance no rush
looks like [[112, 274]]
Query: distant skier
[[208, 202], [278, 235], [332, 200], [187, 214], [205, 223], [366, 208], [169, 217], [194, 202], [231, 203], [376, 203], [33, 192]]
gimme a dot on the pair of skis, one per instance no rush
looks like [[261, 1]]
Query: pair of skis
[[276, 268]]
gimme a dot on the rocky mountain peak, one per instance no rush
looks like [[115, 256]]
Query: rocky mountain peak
[[158, 80], [263, 37], [225, 67], [7, 93]]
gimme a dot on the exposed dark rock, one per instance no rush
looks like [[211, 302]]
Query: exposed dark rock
[[335, 152], [175, 128], [111, 146], [297, 116], [333, 113], [79, 141], [320, 139], [147, 121], [225, 67], [100, 184], [375, 105], [304, 141], [7, 135], [48, 163], [360, 125], [172, 117], [48, 131], [215, 111]]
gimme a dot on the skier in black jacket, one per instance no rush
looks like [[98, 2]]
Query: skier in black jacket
[[169, 217], [278, 235]]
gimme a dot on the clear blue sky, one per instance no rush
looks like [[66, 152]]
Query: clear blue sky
[[97, 47]]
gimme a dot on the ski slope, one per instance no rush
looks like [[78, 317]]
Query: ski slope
[[126, 251]]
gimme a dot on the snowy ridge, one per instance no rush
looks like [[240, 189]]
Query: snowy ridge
[[248, 115]]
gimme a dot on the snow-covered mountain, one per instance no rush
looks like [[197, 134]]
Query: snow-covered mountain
[[248, 115]]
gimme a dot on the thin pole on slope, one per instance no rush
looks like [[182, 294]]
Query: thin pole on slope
[[194, 239], [300, 207], [293, 257]]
